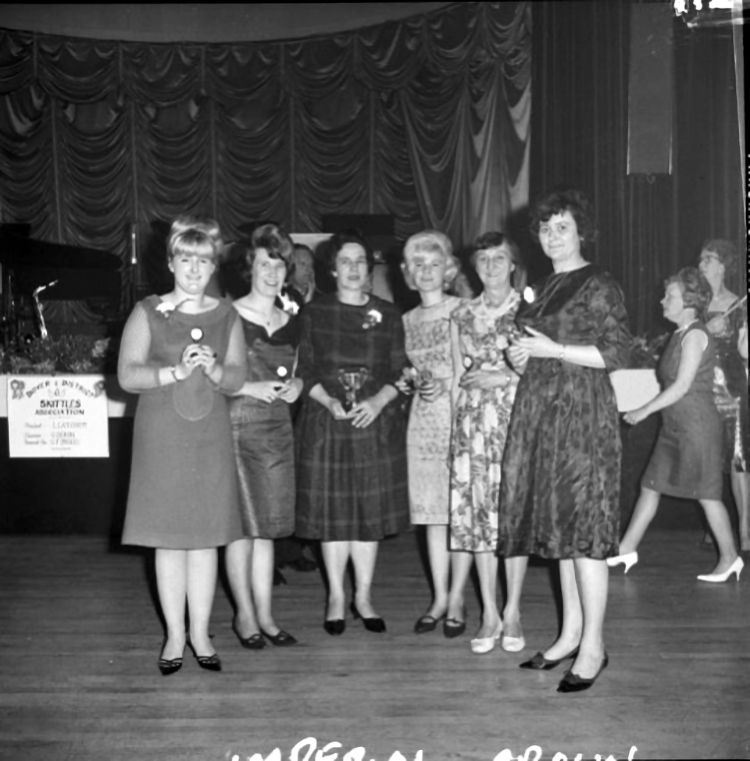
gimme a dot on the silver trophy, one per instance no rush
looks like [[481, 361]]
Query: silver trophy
[[352, 379]]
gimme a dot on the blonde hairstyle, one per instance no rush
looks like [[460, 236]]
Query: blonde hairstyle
[[434, 242], [206, 225]]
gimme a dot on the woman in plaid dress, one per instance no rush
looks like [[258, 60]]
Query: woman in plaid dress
[[351, 459]]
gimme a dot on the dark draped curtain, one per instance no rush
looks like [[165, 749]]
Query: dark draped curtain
[[649, 225], [426, 119]]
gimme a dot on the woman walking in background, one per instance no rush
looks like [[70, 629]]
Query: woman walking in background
[[687, 458], [429, 266], [725, 315]]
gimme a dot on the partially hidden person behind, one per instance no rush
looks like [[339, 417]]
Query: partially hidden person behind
[[484, 389], [263, 443], [687, 459], [725, 316], [351, 459], [561, 470], [429, 267], [183, 352]]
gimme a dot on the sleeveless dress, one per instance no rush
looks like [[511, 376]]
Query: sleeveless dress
[[183, 484], [428, 346], [480, 424], [351, 482], [687, 457], [560, 494], [263, 436], [736, 424]]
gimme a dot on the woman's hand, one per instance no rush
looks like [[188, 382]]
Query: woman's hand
[[484, 379], [518, 357], [431, 389], [363, 413], [264, 391], [717, 325], [192, 357], [205, 357], [537, 344], [636, 416], [290, 390]]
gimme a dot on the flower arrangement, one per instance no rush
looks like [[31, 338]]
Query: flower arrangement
[[372, 318], [77, 354]]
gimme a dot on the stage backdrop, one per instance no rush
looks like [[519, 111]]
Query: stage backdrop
[[426, 119]]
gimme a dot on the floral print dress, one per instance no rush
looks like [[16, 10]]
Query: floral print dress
[[480, 424]]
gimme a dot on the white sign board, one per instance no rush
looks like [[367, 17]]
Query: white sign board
[[57, 416]]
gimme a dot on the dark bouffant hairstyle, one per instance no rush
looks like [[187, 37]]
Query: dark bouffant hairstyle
[[696, 292], [339, 240], [560, 201], [724, 249]]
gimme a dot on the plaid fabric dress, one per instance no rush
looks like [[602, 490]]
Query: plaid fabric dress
[[351, 482]]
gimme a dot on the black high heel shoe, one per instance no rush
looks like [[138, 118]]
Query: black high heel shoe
[[539, 662], [168, 667], [573, 683], [282, 639], [253, 642], [376, 625], [208, 662], [334, 626], [454, 627]]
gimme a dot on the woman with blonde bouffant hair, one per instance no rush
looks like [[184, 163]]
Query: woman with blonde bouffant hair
[[429, 267]]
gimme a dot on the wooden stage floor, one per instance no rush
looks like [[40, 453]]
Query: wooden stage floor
[[79, 638]]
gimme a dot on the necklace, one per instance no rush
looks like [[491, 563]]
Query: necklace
[[266, 318]]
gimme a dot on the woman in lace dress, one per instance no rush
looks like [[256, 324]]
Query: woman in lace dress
[[429, 266]]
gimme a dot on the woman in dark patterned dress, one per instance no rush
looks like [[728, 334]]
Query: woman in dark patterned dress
[[351, 458], [263, 443], [724, 319], [561, 470], [182, 352], [687, 458]]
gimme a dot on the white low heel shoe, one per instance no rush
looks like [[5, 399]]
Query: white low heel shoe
[[717, 578], [482, 645], [629, 559]]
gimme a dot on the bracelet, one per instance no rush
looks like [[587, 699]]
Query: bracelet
[[157, 378], [561, 353], [173, 370]]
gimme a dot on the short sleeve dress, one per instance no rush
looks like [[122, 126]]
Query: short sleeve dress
[[480, 424], [183, 484], [735, 417], [687, 457], [428, 346], [351, 482], [263, 435], [561, 470]]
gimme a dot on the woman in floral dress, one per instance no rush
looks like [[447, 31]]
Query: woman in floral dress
[[483, 392], [351, 459], [429, 266]]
